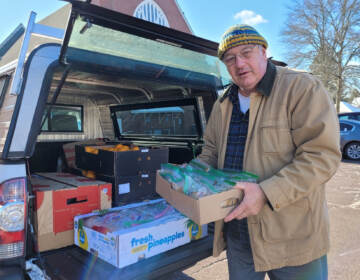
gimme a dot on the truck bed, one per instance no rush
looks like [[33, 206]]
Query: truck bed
[[75, 263]]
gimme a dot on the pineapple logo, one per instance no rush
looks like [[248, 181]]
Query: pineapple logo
[[83, 241], [195, 231]]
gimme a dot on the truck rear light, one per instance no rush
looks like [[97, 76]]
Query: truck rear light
[[12, 218]]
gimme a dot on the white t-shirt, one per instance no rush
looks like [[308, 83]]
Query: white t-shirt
[[244, 102]]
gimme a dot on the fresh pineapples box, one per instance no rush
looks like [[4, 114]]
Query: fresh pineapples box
[[125, 235]]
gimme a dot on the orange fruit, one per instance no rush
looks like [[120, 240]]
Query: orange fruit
[[91, 150], [91, 174], [125, 148], [119, 146]]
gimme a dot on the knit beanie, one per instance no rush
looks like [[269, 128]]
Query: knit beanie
[[240, 34]]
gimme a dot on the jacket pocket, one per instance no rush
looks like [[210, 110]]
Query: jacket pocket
[[276, 138], [293, 222]]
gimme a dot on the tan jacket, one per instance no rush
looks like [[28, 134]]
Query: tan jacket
[[293, 145]]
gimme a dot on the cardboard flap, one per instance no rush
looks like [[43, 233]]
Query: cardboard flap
[[71, 179]]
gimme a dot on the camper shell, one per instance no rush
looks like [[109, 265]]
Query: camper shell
[[111, 77]]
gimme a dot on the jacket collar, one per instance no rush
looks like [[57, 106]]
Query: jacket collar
[[264, 87], [267, 82]]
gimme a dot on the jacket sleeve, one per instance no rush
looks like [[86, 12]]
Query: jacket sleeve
[[315, 133], [209, 153]]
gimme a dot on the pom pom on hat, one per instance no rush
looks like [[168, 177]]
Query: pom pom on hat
[[240, 34]]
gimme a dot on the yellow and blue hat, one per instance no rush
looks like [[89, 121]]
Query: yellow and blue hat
[[240, 34]]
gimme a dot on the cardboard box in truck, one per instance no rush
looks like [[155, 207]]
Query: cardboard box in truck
[[128, 189], [124, 163], [56, 205], [104, 188], [127, 246]]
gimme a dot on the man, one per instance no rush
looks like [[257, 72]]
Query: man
[[281, 125]]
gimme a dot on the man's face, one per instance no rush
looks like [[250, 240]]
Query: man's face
[[246, 65]]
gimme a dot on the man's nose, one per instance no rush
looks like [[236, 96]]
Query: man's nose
[[239, 61]]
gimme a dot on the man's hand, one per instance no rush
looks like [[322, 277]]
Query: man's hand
[[254, 200]]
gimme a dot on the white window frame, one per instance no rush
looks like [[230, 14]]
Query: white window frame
[[149, 10]]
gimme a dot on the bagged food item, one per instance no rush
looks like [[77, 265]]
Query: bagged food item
[[198, 179], [116, 220]]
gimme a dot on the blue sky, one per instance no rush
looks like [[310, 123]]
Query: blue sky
[[208, 19]]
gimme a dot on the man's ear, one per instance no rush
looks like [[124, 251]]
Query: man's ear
[[263, 51]]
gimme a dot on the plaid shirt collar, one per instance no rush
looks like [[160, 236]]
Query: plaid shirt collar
[[234, 95]]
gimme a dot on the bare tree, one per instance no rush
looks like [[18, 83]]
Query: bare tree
[[324, 36]]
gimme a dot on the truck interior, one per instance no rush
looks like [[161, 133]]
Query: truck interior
[[109, 62], [91, 105]]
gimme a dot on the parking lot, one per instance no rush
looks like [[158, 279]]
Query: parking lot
[[343, 193]]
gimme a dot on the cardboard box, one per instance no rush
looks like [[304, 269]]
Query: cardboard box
[[104, 188], [204, 210], [130, 189], [128, 163], [124, 247], [56, 205], [69, 150]]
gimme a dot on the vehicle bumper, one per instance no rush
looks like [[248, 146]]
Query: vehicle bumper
[[11, 273]]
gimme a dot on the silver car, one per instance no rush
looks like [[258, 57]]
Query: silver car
[[350, 139]]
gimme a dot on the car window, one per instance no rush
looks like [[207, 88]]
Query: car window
[[63, 118], [344, 127], [343, 117], [354, 117], [350, 117]]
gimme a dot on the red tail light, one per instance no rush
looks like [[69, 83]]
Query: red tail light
[[12, 218]]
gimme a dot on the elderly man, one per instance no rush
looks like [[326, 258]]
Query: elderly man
[[281, 125]]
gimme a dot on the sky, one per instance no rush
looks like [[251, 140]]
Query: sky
[[207, 18]]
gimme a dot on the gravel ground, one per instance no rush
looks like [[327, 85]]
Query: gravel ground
[[343, 193]]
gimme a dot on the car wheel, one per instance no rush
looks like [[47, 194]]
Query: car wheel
[[352, 151]]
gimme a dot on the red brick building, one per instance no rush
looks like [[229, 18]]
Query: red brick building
[[163, 12]]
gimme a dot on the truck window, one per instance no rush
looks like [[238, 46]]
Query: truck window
[[106, 41], [63, 118], [175, 121]]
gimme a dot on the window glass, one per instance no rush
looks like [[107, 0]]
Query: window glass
[[354, 117], [63, 118], [150, 11], [343, 117], [345, 127], [104, 40], [174, 121]]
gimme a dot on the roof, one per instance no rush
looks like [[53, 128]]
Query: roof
[[346, 107], [11, 39], [57, 19]]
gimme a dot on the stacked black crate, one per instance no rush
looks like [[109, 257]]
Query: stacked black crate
[[132, 173]]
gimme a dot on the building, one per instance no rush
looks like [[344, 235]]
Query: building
[[164, 12]]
